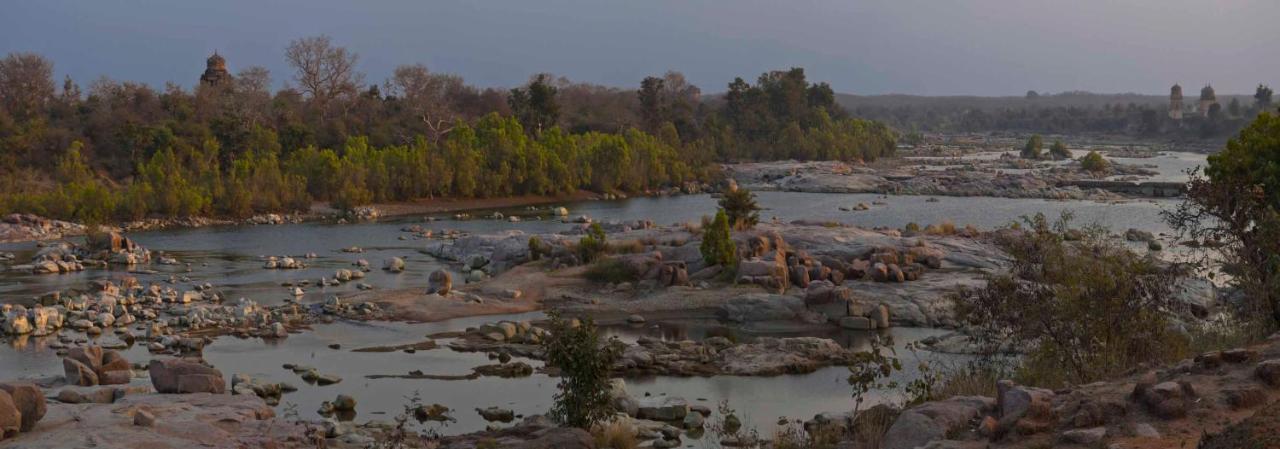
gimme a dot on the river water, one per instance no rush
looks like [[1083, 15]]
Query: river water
[[229, 257]]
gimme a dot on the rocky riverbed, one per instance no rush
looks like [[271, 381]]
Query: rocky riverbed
[[1001, 176]]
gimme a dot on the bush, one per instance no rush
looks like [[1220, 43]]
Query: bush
[[1082, 311], [610, 271], [584, 363], [592, 245], [1094, 162], [1059, 150], [740, 206], [717, 247], [1033, 147], [615, 435]]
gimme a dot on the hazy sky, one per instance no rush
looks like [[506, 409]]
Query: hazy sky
[[936, 47]]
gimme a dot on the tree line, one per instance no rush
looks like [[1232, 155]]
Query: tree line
[[125, 150], [1064, 113]]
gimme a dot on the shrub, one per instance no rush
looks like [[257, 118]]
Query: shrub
[[610, 271], [1059, 150], [592, 245], [1082, 310], [1031, 150], [740, 205], [537, 248], [584, 363], [1094, 162], [717, 248]]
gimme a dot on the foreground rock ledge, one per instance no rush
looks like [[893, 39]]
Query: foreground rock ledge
[[179, 421]]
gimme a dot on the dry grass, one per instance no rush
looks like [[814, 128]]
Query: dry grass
[[947, 227], [615, 435]]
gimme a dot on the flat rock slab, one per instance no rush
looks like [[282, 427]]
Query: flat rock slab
[[181, 421]]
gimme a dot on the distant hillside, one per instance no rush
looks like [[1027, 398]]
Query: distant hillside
[[1066, 99]]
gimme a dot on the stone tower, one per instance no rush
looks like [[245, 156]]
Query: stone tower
[[1175, 102], [1207, 100], [215, 72]]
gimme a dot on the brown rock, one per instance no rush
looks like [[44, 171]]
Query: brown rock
[[90, 356], [1269, 372], [10, 417], [1244, 397], [29, 400], [113, 361], [183, 376], [77, 373], [115, 377]]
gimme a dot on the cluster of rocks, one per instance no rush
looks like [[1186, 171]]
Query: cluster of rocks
[[23, 227], [91, 365], [312, 375], [651, 270], [66, 257], [270, 392], [658, 420], [283, 263], [490, 254], [1095, 414]]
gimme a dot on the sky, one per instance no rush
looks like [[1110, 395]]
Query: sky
[[926, 47]]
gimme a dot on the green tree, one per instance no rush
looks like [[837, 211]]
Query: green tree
[[535, 104], [1094, 162], [1236, 204], [1262, 97], [584, 362], [1033, 147], [739, 204], [717, 246], [592, 245]]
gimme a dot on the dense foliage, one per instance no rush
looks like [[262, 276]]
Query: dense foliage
[[1083, 310], [576, 350], [236, 147], [1033, 147], [1235, 208]]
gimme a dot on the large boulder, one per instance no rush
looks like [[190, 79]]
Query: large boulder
[[394, 265], [663, 409], [178, 376], [932, 421], [29, 401], [10, 416], [77, 373], [439, 282]]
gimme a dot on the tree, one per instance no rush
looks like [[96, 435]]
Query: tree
[[1032, 95], [1059, 150], [584, 362], [1033, 147], [26, 84], [1094, 162], [535, 104], [717, 247], [1235, 207], [427, 96], [323, 70], [1233, 108], [651, 108], [739, 204], [1262, 97]]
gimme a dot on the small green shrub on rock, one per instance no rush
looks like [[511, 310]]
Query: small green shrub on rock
[[1094, 162], [717, 247], [584, 361]]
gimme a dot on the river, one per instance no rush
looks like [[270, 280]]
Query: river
[[229, 258]]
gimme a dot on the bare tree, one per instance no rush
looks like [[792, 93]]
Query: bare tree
[[324, 71], [26, 83], [428, 96]]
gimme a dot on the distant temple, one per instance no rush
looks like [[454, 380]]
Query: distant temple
[[1207, 100], [1175, 102], [215, 72]]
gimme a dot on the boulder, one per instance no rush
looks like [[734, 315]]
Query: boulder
[[29, 401], [932, 421], [663, 409], [10, 416], [439, 282], [394, 265], [178, 376], [77, 373], [1268, 372]]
